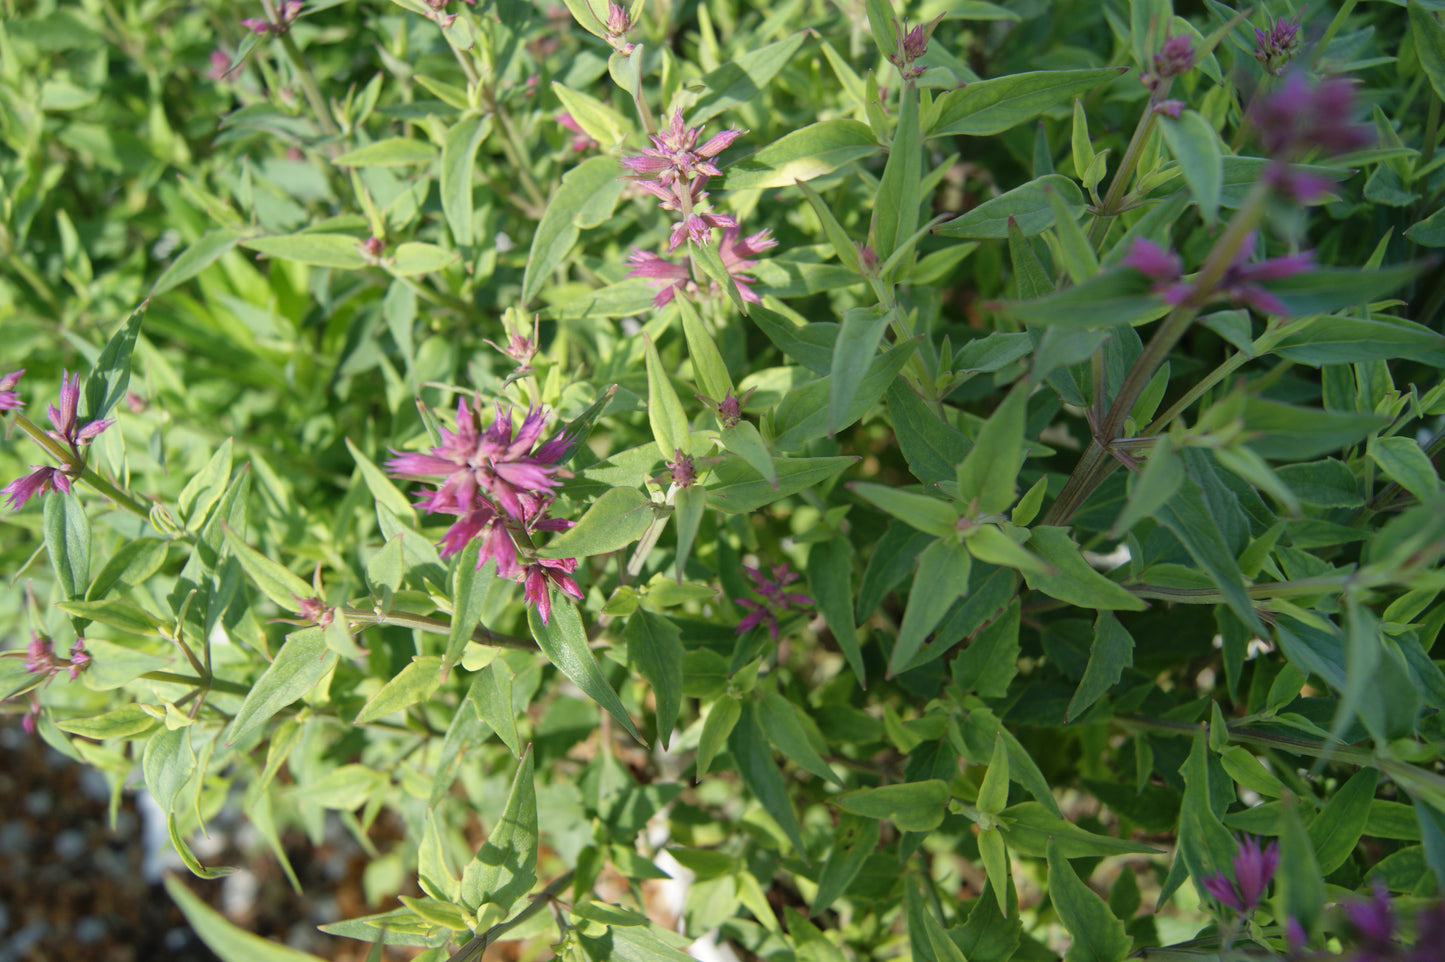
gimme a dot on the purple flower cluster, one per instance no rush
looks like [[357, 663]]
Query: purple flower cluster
[[1275, 47], [286, 12], [675, 170], [1377, 937], [1300, 116], [498, 482], [1241, 282], [65, 429], [730, 408], [912, 45], [777, 600], [41, 659], [1175, 58], [737, 256], [1253, 869]]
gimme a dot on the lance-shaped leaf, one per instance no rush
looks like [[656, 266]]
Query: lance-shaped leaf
[[276, 582], [942, 577], [895, 208], [469, 591], [586, 198], [911, 806], [1195, 147], [1107, 300], [654, 648], [842, 244], [708, 367], [664, 411], [737, 487], [1098, 935], [744, 440], [853, 841], [830, 578], [938, 518], [564, 641], [196, 258], [297, 668], [993, 106], [988, 473], [505, 867], [107, 382], [754, 760], [230, 943], [801, 155], [459, 157], [1027, 206], [1111, 652], [852, 356], [67, 541], [1074, 579], [614, 521], [413, 684]]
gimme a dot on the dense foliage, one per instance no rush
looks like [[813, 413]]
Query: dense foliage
[[957, 482]]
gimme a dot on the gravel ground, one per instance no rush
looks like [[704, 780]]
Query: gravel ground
[[73, 889]]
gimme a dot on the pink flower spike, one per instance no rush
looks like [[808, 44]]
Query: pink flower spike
[[258, 25], [1222, 889], [1153, 261], [79, 658], [37, 483], [1171, 108], [9, 397]]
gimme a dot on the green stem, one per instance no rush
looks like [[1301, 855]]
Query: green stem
[[482, 940], [1125, 172], [304, 76], [213, 683], [440, 626], [1231, 364], [76, 467], [515, 156]]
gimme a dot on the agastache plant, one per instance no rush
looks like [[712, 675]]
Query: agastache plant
[[67, 436]]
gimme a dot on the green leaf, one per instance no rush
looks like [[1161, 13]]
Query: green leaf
[[1324, 289], [108, 379], [564, 641], [203, 491], [505, 867], [852, 356], [380, 485], [230, 943], [706, 256], [586, 198], [741, 79], [1073, 247], [597, 120], [1189, 517], [1098, 935], [992, 106], [991, 545], [1331, 339], [315, 250], [1285, 432], [992, 849], [993, 792], [1402, 461], [459, 157], [1195, 148], [761, 775], [1027, 205], [1111, 652], [391, 152], [168, 763], [132, 564], [1299, 883], [811, 345], [988, 473], [990, 661], [491, 695], [282, 586], [126, 722], [1151, 488], [721, 718], [469, 592], [942, 578], [938, 518], [112, 665], [1115, 297], [67, 542], [1031, 280], [895, 208], [116, 613], [804, 413], [654, 648], [1029, 827], [743, 440], [412, 685], [802, 155], [830, 579], [932, 447], [194, 259], [854, 839], [911, 806], [884, 26], [736, 487], [303, 661], [1429, 37], [690, 505], [412, 258], [670, 428], [708, 366], [1074, 580], [782, 722], [1336, 830], [614, 521]]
